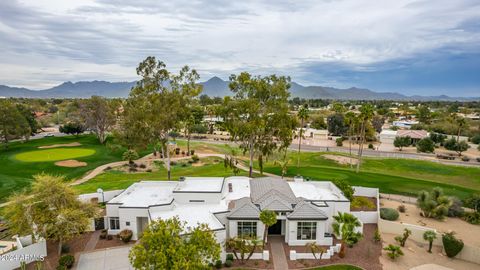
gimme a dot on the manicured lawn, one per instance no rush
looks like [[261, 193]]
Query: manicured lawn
[[54, 154], [116, 179], [16, 174], [397, 176]]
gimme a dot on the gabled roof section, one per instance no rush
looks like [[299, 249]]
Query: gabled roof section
[[307, 211], [244, 209], [276, 203], [270, 193]]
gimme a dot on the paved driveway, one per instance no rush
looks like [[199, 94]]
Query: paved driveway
[[107, 259]]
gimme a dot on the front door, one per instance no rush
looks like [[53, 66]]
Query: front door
[[276, 228]]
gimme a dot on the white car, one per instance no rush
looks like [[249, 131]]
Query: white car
[[49, 135]]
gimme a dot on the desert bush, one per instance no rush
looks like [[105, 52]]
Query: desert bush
[[401, 208], [472, 217], [466, 159], [229, 256], [393, 251], [345, 187], [228, 263], [433, 204], [218, 264], [370, 146], [359, 202], [456, 209], [377, 237], [143, 166], [451, 244], [67, 261], [126, 235], [402, 239], [195, 158], [389, 214], [339, 141], [475, 139]]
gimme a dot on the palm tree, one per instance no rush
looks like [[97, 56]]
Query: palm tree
[[283, 164], [302, 115], [429, 236], [393, 251], [350, 121], [344, 228], [268, 218], [461, 124], [366, 114]]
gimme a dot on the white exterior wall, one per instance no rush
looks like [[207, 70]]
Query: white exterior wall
[[185, 197], [29, 253], [291, 237], [221, 236]]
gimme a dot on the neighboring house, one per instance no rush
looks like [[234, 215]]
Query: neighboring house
[[316, 134], [405, 123], [415, 135], [231, 207]]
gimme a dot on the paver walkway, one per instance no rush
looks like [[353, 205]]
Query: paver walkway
[[278, 254]]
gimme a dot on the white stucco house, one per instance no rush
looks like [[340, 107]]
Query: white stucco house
[[231, 207]]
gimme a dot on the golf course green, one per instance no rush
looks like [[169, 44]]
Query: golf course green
[[54, 154]]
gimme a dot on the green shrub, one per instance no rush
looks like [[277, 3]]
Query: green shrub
[[218, 264], [472, 217], [389, 214], [67, 261], [61, 267], [475, 139], [195, 158], [339, 141], [370, 146], [377, 237], [126, 235], [229, 257], [401, 208], [228, 263], [393, 251], [456, 209], [360, 202], [65, 248], [345, 187], [425, 145], [451, 244]]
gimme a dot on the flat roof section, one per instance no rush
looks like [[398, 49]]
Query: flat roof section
[[200, 185], [313, 191], [146, 193]]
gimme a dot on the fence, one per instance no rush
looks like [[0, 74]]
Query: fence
[[327, 255]]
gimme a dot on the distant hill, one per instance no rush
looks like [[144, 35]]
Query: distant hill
[[214, 87]]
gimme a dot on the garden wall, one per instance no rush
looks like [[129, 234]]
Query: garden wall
[[367, 217], [28, 254], [469, 253]]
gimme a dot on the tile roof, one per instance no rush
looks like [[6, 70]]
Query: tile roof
[[306, 210], [414, 134], [271, 193], [243, 208]]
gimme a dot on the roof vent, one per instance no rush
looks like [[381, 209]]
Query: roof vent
[[230, 187]]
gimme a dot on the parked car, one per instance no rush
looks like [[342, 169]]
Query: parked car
[[49, 135]]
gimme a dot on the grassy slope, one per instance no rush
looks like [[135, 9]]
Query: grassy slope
[[400, 176], [115, 179], [15, 174]]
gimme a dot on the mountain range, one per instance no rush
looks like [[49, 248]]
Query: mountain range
[[214, 87]]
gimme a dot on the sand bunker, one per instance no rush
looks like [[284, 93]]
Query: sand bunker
[[341, 159], [71, 163], [60, 145]]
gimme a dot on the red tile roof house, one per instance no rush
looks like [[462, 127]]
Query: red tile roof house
[[416, 135]]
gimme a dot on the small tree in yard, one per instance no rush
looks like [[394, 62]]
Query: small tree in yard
[[393, 251], [316, 249], [168, 244], [457, 146], [268, 218], [426, 145], [344, 228], [242, 247], [130, 156], [401, 142], [402, 239], [430, 236], [51, 210]]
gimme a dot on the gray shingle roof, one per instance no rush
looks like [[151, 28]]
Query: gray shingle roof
[[244, 209], [272, 193], [306, 210]]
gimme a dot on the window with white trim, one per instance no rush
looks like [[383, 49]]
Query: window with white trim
[[114, 223], [306, 230], [247, 229]]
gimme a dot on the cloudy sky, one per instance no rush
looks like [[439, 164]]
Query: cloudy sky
[[412, 47]]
